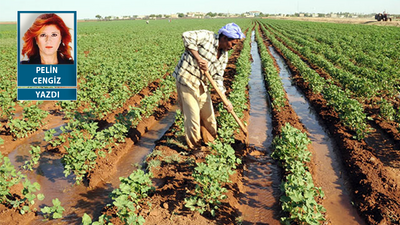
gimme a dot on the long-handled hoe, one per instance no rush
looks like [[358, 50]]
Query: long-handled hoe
[[225, 101]]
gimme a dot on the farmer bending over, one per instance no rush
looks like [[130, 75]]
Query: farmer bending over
[[205, 51]]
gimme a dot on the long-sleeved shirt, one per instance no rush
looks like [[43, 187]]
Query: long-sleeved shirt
[[187, 72]]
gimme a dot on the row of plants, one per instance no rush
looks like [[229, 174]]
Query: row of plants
[[342, 59], [378, 83], [291, 149], [86, 143], [134, 190], [8, 70], [212, 175], [272, 79], [364, 44], [127, 200], [350, 111], [361, 86], [32, 119], [347, 72], [299, 200]]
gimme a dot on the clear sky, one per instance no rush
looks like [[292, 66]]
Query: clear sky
[[90, 8]]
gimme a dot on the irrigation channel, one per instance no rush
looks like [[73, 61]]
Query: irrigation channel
[[328, 168], [78, 199], [259, 200]]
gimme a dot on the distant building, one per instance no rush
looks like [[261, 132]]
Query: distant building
[[195, 14], [254, 13], [333, 15], [174, 16]]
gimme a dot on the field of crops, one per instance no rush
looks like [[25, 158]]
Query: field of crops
[[348, 73]]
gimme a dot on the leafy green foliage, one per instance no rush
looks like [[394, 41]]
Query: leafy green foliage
[[8, 178], [51, 139], [129, 195], [274, 82], [35, 156], [386, 110], [32, 119], [350, 111], [300, 193], [103, 220], [55, 211]]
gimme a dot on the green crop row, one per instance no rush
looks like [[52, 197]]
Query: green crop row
[[8, 70], [350, 111], [291, 149], [132, 191], [360, 80], [274, 82], [365, 45], [85, 143], [380, 78], [31, 121], [379, 83], [299, 200]]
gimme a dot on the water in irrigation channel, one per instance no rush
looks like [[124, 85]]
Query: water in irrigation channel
[[78, 199], [259, 200], [328, 169]]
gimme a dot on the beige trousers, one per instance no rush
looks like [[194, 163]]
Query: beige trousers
[[198, 113]]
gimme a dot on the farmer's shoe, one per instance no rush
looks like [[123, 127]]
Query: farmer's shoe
[[198, 153]]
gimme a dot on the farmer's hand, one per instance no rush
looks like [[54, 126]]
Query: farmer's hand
[[229, 106], [203, 64]]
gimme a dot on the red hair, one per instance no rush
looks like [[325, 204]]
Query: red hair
[[30, 47]]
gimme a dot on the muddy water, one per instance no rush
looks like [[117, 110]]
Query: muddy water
[[259, 201], [328, 168], [78, 199]]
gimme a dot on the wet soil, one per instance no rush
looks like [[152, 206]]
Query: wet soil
[[260, 192], [327, 165], [105, 167], [375, 186]]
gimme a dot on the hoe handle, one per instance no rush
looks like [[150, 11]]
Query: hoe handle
[[225, 101]]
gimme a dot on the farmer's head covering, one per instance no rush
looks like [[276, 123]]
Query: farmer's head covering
[[231, 30]]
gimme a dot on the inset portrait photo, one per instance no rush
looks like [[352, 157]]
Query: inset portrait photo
[[47, 37], [47, 49]]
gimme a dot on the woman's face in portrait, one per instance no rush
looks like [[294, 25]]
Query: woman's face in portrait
[[49, 40]]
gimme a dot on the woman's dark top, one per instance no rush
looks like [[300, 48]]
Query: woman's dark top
[[36, 60]]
